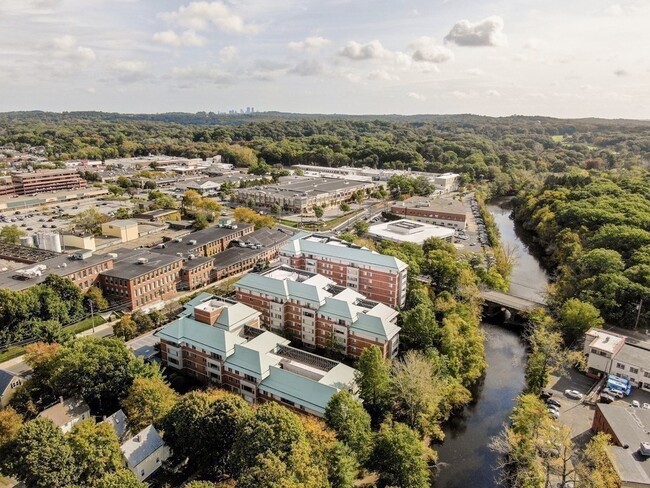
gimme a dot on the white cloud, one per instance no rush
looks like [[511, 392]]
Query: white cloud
[[383, 75], [310, 67], [187, 38], [65, 47], [533, 44], [463, 95], [486, 32], [199, 16], [416, 96], [493, 93], [475, 71], [621, 72], [129, 71], [228, 54], [426, 49], [359, 52], [309, 44]]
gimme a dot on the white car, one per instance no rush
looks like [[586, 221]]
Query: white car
[[574, 394], [554, 413], [636, 404], [646, 406]]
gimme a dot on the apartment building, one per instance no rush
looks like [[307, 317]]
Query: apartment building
[[438, 211], [141, 278], [219, 341], [376, 276], [611, 353], [314, 310], [46, 181]]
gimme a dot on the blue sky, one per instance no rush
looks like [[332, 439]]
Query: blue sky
[[572, 58]]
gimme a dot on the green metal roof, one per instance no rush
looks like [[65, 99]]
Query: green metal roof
[[253, 357], [374, 326], [213, 339]]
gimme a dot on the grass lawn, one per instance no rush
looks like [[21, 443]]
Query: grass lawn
[[84, 325], [12, 352], [330, 224]]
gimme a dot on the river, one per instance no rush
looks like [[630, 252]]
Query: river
[[465, 458]]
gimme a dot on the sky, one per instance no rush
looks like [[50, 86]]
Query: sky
[[568, 58]]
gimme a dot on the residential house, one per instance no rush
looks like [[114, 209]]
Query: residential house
[[66, 413], [120, 424], [8, 383], [145, 452]]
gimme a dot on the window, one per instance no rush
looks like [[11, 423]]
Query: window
[[634, 370], [620, 366]]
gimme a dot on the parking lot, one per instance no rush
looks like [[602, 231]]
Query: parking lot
[[577, 415], [52, 216]]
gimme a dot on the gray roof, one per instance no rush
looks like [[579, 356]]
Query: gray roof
[[202, 237], [6, 377], [126, 266], [62, 265], [141, 446], [119, 422], [637, 356], [63, 412], [374, 326], [337, 249], [631, 427]]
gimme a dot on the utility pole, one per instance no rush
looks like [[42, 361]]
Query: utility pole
[[638, 313], [92, 315]]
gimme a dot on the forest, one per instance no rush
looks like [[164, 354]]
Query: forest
[[499, 150], [595, 228]]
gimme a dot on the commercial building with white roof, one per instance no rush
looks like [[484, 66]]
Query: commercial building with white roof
[[376, 276], [219, 341], [616, 354], [408, 231], [316, 311]]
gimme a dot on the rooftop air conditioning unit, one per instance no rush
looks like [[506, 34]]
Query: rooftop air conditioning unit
[[191, 256], [143, 260], [192, 242]]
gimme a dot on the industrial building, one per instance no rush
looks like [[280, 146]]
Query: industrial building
[[301, 195], [219, 341], [314, 310], [377, 276]]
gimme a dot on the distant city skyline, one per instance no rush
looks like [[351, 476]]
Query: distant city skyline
[[531, 57]]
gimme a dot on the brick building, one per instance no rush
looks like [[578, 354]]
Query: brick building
[[218, 341], [314, 310], [45, 181], [377, 276], [439, 211], [140, 278], [206, 242]]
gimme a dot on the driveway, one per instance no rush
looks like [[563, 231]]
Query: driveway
[[577, 415]]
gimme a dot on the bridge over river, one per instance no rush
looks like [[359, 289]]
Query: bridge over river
[[509, 301]]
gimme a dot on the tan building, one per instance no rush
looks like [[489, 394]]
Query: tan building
[[445, 212], [78, 240], [126, 230], [46, 181], [160, 215], [66, 413]]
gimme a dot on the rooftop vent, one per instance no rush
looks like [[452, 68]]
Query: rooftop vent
[[143, 260]]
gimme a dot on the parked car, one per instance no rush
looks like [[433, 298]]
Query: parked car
[[574, 394], [554, 413], [646, 406], [552, 401], [605, 398], [545, 394], [636, 404]]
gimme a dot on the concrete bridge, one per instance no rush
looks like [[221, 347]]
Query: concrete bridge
[[511, 302]]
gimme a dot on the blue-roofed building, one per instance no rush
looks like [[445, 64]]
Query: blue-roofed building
[[318, 312], [241, 357]]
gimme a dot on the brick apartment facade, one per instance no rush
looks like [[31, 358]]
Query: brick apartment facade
[[314, 310], [218, 341], [376, 276], [139, 278]]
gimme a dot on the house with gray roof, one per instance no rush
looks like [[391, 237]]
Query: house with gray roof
[[8, 383], [120, 424], [66, 413], [145, 452]]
